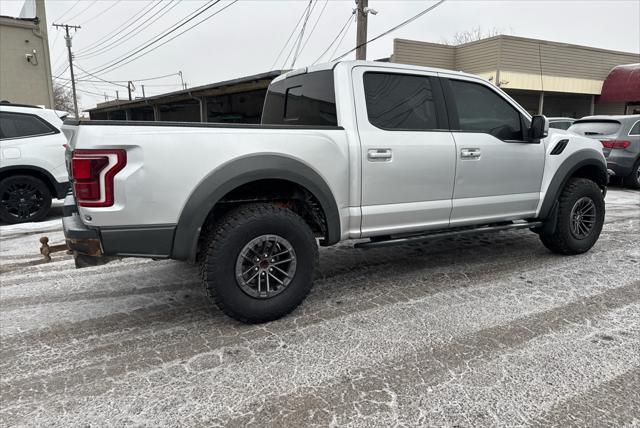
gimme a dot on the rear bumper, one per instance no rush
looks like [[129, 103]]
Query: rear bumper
[[80, 239], [148, 241], [621, 162]]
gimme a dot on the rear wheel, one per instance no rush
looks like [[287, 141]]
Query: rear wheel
[[580, 218], [23, 198], [633, 180], [259, 263]]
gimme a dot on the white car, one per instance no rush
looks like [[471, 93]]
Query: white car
[[32, 163]]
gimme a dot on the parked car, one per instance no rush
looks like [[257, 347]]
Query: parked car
[[620, 138], [32, 167], [560, 122], [346, 150]]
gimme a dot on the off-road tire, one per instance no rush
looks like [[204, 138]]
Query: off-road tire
[[562, 240], [633, 180], [228, 237], [34, 183]]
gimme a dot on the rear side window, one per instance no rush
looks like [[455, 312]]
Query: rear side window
[[595, 128], [307, 99], [480, 109], [17, 125], [400, 101], [636, 129], [560, 125]]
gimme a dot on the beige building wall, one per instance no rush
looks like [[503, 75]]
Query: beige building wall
[[25, 81], [520, 63], [424, 54]]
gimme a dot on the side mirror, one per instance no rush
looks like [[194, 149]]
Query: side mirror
[[539, 128]]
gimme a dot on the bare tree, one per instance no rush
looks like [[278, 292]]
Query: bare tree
[[62, 98], [476, 33]]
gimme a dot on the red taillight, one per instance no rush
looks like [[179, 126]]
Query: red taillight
[[615, 144], [92, 172]]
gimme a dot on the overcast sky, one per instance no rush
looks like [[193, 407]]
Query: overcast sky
[[246, 37]]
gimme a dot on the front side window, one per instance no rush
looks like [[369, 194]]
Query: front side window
[[16, 125], [400, 101], [480, 109]]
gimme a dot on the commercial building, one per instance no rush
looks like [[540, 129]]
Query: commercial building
[[555, 79], [236, 101], [550, 78], [25, 66]]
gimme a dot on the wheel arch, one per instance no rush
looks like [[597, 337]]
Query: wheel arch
[[57, 190], [583, 164], [219, 183]]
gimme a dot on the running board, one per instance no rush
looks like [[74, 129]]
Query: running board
[[447, 233]]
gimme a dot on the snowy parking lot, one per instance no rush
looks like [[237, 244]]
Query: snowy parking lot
[[485, 330]]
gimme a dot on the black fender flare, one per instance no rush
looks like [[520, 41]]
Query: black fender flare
[[567, 169], [242, 171], [59, 189]]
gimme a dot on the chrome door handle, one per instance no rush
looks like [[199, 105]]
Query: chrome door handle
[[470, 154], [379, 155]]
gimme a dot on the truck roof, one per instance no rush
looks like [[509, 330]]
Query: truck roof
[[355, 63]]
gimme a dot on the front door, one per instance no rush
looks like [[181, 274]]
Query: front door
[[407, 154], [498, 172]]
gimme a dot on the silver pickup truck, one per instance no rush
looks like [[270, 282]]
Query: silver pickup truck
[[384, 153]]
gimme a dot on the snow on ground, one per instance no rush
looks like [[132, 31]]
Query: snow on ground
[[485, 330]]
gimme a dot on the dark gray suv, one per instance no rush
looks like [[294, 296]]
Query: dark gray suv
[[620, 138]]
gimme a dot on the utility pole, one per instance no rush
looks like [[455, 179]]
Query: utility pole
[[362, 12], [182, 80], [143, 94], [130, 88], [67, 38]]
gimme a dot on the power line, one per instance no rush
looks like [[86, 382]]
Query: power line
[[346, 31], [199, 11], [304, 12], [296, 40], [100, 78], [114, 33], [82, 11], [127, 35], [101, 12], [164, 76], [304, 26], [344, 26], [402, 24], [326, 2], [176, 36], [67, 11]]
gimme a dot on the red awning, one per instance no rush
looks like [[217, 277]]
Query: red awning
[[622, 85]]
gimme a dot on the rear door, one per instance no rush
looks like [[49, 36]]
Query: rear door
[[407, 152], [498, 173]]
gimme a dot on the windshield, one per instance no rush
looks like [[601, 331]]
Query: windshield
[[596, 128]]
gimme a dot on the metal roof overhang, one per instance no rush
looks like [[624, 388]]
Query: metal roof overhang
[[243, 84], [622, 84]]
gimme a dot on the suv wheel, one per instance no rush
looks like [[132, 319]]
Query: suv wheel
[[633, 180], [580, 218], [23, 198], [259, 263]]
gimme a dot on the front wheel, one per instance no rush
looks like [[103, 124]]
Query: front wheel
[[580, 218], [23, 198], [259, 263]]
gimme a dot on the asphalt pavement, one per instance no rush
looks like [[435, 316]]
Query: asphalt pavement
[[490, 330]]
